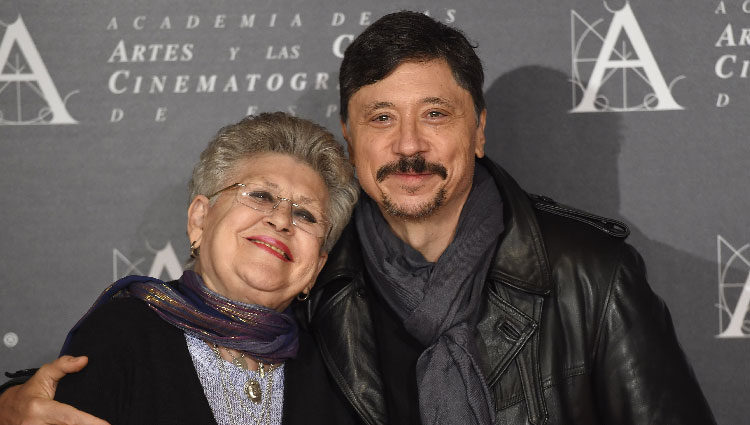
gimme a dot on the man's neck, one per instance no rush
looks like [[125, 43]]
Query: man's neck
[[431, 235]]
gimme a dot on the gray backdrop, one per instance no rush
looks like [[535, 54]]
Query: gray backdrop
[[631, 110]]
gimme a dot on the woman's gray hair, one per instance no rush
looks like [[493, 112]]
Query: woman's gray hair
[[281, 133]]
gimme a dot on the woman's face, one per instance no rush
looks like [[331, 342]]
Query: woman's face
[[255, 257]]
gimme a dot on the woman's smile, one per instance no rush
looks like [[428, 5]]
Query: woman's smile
[[274, 246]]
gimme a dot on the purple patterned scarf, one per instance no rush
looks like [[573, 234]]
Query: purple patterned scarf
[[263, 333]]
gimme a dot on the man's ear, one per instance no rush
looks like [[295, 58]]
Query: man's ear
[[480, 138], [347, 137], [197, 213]]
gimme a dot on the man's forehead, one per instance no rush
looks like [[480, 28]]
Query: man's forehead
[[430, 79]]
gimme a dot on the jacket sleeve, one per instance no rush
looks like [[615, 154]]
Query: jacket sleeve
[[641, 374], [102, 387]]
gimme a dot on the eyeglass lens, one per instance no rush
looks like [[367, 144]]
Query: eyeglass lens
[[308, 218]]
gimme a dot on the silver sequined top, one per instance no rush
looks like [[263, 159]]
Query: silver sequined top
[[226, 391]]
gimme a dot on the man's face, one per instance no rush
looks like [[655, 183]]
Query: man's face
[[412, 137]]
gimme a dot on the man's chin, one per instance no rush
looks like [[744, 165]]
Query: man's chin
[[412, 209]]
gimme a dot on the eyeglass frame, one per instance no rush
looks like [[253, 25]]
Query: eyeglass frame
[[293, 204]]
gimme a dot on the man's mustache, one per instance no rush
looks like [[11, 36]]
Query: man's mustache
[[410, 164]]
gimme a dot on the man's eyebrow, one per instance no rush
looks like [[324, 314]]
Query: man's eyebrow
[[437, 101], [432, 100], [370, 107]]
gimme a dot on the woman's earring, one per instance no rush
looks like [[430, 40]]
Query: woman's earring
[[194, 250], [303, 296]]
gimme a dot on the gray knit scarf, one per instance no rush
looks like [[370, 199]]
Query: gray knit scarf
[[439, 302]]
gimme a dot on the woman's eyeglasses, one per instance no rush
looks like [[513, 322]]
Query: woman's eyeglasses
[[307, 217]]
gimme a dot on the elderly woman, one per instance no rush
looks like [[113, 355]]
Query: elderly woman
[[269, 197]]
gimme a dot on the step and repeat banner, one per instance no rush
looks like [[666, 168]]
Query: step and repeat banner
[[635, 110]]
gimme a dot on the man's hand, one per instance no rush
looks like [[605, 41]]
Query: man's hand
[[32, 403]]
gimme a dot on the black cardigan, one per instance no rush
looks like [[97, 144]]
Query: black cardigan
[[140, 372]]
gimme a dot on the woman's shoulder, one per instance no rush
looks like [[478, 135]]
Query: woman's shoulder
[[123, 311], [122, 318]]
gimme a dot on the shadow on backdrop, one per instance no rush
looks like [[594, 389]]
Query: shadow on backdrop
[[160, 244], [573, 158]]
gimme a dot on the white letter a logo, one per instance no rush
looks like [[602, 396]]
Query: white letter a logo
[[55, 111], [734, 267], [610, 60]]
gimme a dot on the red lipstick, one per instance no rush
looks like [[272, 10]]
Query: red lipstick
[[272, 245]]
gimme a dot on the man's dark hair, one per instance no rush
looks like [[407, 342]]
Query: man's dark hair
[[408, 37]]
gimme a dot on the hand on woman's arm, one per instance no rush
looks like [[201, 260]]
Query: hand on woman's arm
[[32, 403]]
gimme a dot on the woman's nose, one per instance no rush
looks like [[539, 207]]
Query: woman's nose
[[280, 217]]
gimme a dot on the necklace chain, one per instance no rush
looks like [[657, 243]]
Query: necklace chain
[[266, 400]]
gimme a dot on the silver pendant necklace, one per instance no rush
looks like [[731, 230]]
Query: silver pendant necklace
[[252, 386]]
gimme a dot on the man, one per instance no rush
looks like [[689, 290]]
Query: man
[[454, 297]]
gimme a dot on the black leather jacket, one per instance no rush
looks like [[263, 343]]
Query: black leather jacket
[[571, 332]]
